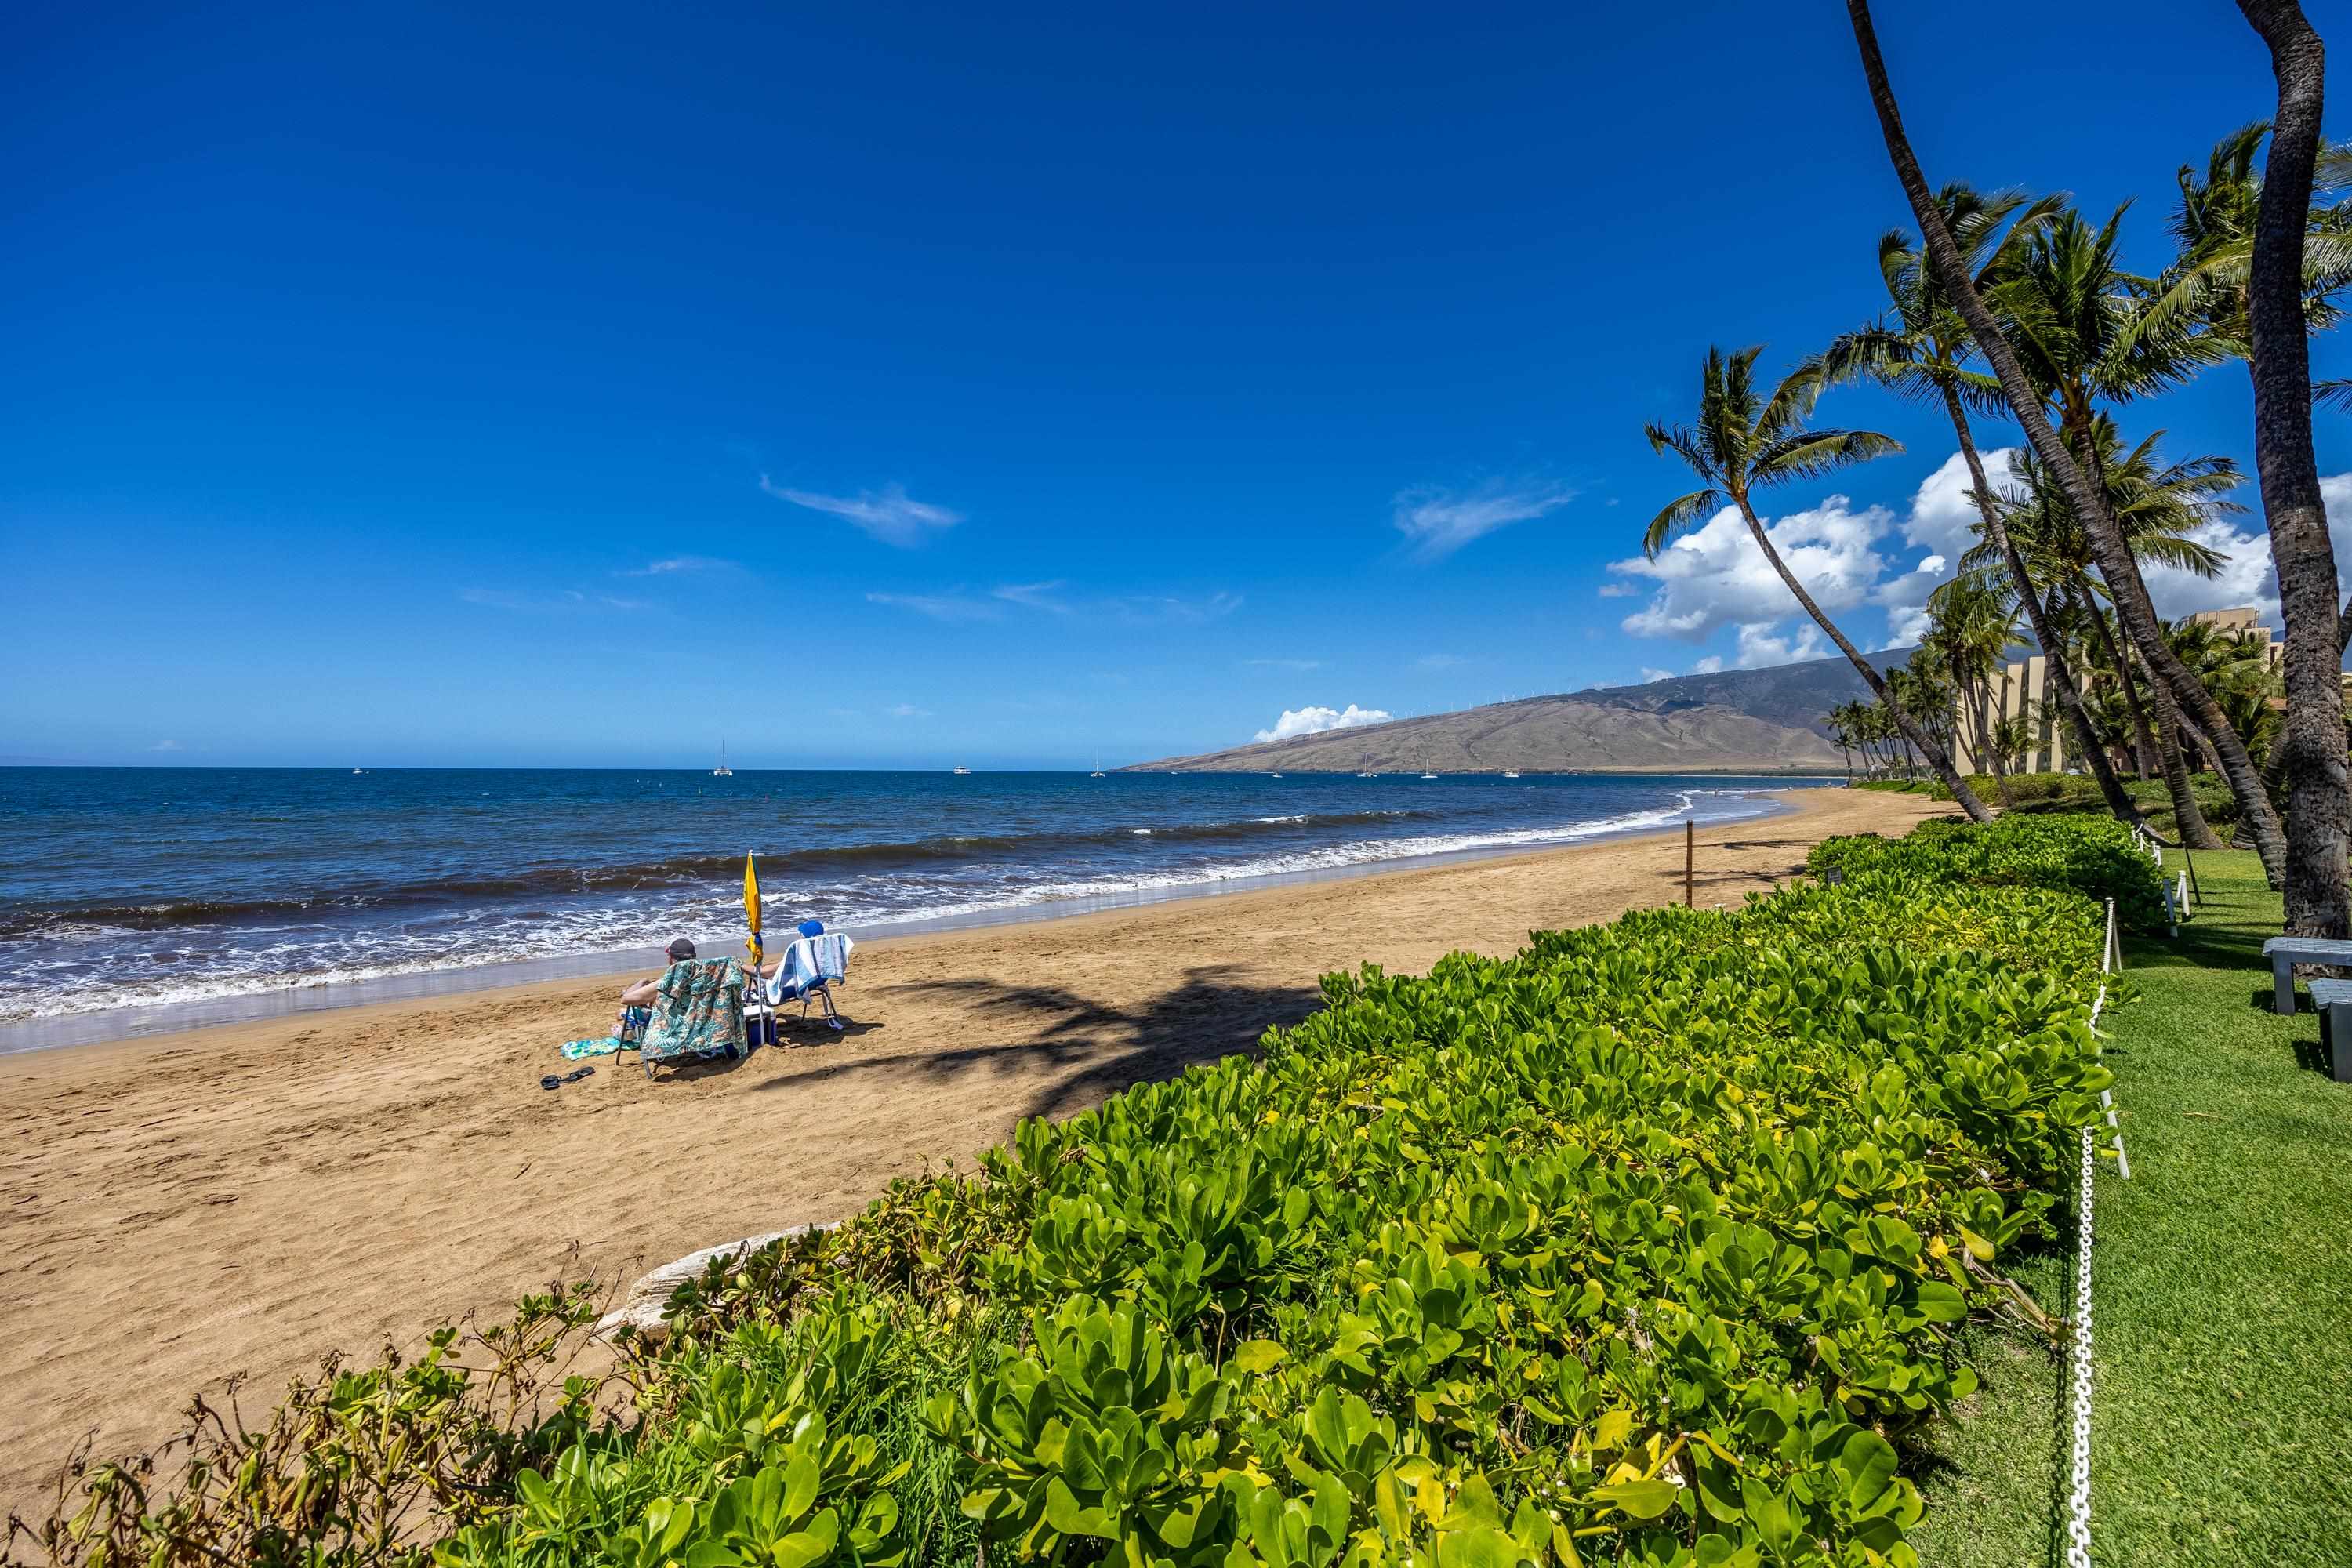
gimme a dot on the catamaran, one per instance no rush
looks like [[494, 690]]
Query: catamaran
[[722, 771]]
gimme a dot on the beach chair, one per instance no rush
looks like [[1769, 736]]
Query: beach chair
[[696, 1014], [817, 960]]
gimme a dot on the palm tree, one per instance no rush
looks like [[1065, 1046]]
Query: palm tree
[[1743, 442], [1973, 621], [1920, 351], [1834, 721], [2236, 669], [2068, 311], [2256, 271], [2158, 506], [2026, 405]]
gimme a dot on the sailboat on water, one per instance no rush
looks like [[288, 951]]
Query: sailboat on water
[[722, 771]]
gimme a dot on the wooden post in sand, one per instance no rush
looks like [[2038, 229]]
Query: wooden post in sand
[[1688, 852]]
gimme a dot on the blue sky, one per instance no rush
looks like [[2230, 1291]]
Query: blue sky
[[912, 385]]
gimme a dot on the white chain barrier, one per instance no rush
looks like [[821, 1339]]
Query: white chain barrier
[[2078, 1507], [2078, 1502]]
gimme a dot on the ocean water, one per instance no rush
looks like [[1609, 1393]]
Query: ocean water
[[187, 889]]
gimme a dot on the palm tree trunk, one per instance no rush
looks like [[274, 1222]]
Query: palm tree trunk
[[2090, 506], [2188, 817], [2204, 742], [2142, 735], [2275, 766], [2165, 684], [2058, 672], [1940, 759], [2319, 791]]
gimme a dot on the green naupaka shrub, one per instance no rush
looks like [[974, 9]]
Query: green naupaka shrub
[[2095, 857], [747, 1465], [1638, 1246]]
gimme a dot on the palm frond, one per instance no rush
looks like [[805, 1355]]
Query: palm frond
[[1683, 443], [1867, 352], [1791, 402], [1676, 516], [1809, 454]]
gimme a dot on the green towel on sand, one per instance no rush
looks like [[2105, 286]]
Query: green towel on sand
[[574, 1049]]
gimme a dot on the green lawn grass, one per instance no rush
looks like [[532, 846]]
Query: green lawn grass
[[2222, 1421]]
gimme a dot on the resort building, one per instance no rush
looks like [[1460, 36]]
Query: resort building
[[2022, 687]]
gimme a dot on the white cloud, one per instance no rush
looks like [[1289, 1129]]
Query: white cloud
[[909, 710], [1715, 576], [1943, 518], [1652, 677], [677, 563], [1164, 608], [555, 600], [1759, 649], [953, 607], [1034, 595], [1439, 522], [1315, 720], [890, 514], [165, 746], [2249, 576], [1760, 646]]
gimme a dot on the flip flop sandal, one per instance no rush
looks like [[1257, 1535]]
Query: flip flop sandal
[[575, 1075], [551, 1081]]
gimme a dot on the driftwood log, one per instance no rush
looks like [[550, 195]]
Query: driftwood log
[[647, 1300]]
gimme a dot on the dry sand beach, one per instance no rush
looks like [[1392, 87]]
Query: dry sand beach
[[248, 1197]]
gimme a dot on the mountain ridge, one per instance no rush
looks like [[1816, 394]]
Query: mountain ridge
[[1740, 721]]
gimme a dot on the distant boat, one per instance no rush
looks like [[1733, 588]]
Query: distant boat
[[1510, 773], [722, 771], [962, 772], [1094, 776], [1428, 775], [1368, 775], [1274, 775], [356, 772]]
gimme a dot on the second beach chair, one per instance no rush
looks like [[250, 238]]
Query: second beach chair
[[815, 964]]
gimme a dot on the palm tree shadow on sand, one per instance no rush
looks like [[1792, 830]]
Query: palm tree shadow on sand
[[1093, 1048]]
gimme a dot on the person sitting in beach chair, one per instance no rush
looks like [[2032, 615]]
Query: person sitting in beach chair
[[694, 1008]]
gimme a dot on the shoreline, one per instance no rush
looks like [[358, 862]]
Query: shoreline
[[70, 1030], [247, 1198]]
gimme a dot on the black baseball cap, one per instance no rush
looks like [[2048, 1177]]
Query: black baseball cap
[[681, 949]]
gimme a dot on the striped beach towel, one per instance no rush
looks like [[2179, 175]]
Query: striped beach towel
[[810, 962]]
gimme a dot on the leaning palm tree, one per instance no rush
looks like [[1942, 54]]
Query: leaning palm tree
[[2068, 311], [2158, 506], [2032, 412], [2258, 268], [1745, 440], [1920, 350]]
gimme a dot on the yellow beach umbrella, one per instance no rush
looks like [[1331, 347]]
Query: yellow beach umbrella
[[752, 907]]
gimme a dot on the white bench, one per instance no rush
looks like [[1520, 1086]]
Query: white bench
[[2333, 1000], [2285, 952]]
